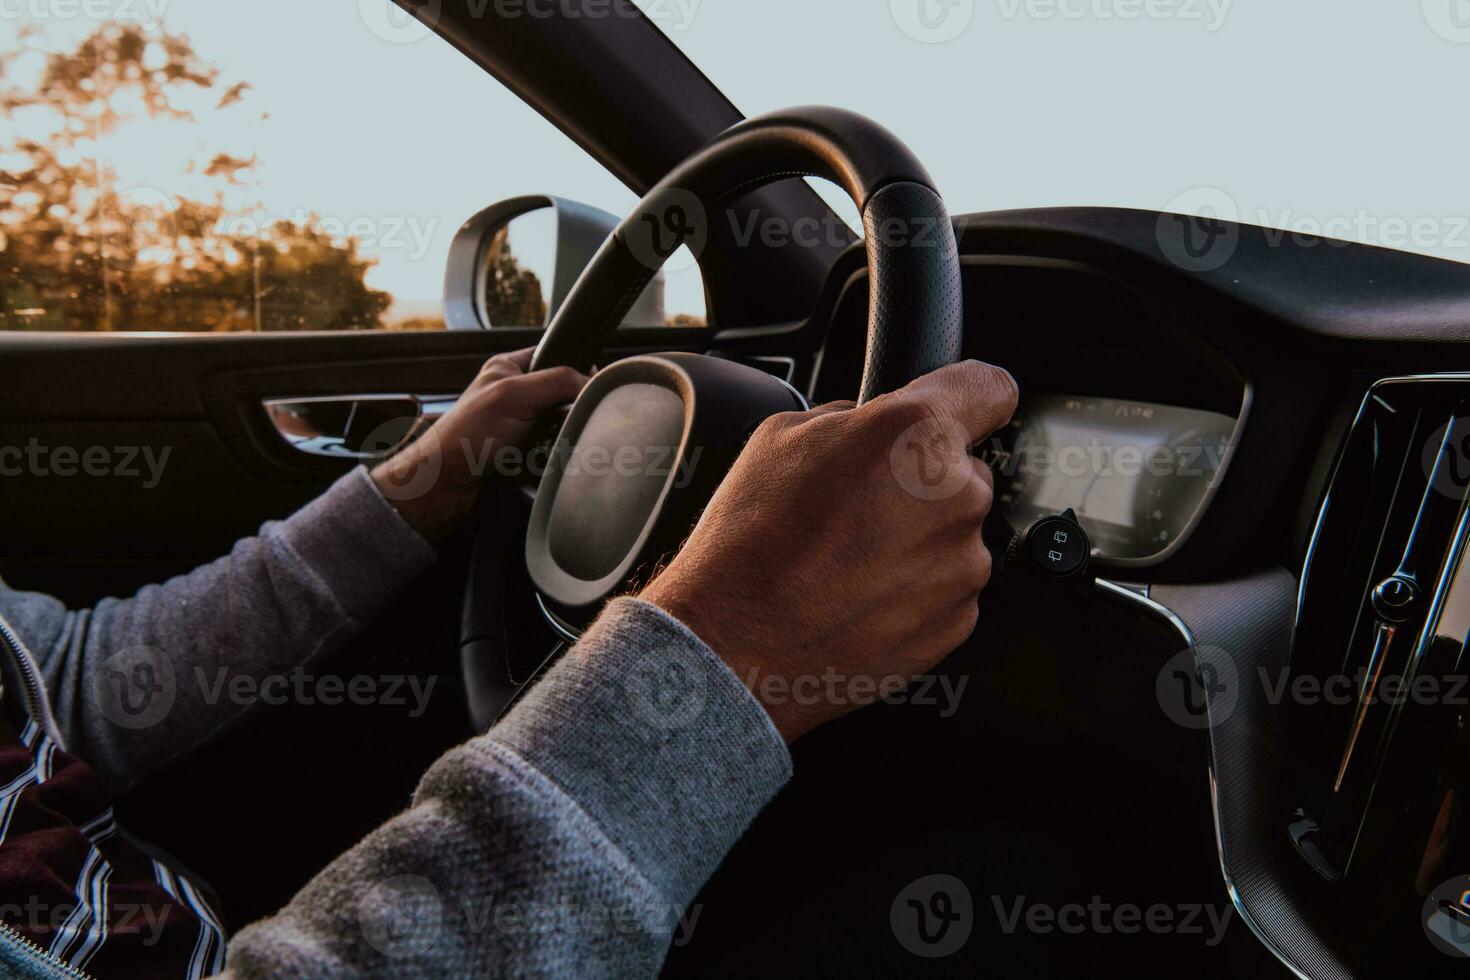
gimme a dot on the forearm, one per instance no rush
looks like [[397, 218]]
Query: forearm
[[566, 841], [274, 603]]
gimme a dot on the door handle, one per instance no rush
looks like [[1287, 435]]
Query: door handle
[[355, 427]]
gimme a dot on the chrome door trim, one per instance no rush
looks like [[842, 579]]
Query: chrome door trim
[[291, 419]]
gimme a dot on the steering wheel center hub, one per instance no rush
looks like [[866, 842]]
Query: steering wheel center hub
[[642, 452]]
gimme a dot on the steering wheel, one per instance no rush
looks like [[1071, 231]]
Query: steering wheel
[[665, 429]]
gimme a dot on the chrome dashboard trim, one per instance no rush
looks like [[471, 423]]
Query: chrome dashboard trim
[[1443, 582], [789, 363], [1452, 567], [1247, 402], [806, 406], [1458, 377], [1139, 595], [563, 632]]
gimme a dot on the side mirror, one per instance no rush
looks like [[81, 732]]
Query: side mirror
[[513, 264]]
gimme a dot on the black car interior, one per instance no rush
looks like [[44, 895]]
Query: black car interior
[[1317, 538]]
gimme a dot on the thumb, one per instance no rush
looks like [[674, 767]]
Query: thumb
[[981, 397]]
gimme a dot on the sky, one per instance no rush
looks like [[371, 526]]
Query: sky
[[1298, 114], [1309, 115], [395, 137]]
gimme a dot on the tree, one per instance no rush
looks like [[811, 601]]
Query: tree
[[513, 294], [79, 252]]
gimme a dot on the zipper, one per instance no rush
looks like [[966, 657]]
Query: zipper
[[40, 710], [35, 695], [8, 931]]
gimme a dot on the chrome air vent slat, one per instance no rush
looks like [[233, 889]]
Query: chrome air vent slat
[[1385, 555], [1382, 640]]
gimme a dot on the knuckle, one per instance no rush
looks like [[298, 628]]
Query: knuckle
[[966, 620], [974, 570], [507, 383], [897, 414], [492, 397], [774, 427], [502, 387], [984, 496], [973, 502], [985, 568], [562, 375], [492, 376]]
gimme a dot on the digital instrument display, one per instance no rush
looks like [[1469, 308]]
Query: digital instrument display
[[1137, 474]]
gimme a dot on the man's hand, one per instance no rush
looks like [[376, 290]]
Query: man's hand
[[435, 482], [847, 540]]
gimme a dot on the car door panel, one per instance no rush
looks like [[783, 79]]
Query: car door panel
[[192, 406], [227, 809]]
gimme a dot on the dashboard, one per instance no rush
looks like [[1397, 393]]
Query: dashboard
[[1252, 486], [1137, 474]]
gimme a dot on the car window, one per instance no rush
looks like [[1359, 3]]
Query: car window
[[274, 166]]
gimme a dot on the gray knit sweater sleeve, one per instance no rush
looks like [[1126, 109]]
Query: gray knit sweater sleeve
[[567, 841], [133, 682]]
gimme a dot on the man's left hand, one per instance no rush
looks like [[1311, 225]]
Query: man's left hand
[[436, 480]]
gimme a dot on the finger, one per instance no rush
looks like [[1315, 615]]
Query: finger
[[528, 395], [981, 397], [519, 361], [983, 471]]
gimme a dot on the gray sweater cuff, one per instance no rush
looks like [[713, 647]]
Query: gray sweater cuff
[[356, 543], [657, 740]]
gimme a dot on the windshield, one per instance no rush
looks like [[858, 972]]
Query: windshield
[[1307, 116]]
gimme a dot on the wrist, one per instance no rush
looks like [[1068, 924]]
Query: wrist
[[433, 505], [732, 646]]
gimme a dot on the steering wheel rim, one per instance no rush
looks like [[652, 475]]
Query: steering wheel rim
[[915, 317], [914, 320]]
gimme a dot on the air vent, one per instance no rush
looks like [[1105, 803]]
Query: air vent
[[1373, 704]]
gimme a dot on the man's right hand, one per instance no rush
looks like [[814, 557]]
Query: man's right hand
[[847, 540]]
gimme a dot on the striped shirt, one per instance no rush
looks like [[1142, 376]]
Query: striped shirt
[[77, 888]]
